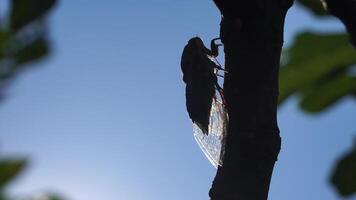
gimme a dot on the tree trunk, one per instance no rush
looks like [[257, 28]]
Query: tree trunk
[[252, 33]]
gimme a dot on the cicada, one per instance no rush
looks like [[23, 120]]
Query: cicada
[[204, 97]]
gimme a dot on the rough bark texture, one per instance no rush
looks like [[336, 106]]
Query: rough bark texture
[[252, 33]]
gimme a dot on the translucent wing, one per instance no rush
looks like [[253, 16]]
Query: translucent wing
[[213, 143]]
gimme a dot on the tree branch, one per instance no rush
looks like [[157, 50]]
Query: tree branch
[[252, 33], [345, 10]]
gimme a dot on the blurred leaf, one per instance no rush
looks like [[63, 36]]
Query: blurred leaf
[[4, 36], [19, 46], [323, 96], [9, 169], [54, 197], [312, 58], [24, 12], [315, 6], [33, 51], [308, 45], [48, 197], [344, 174]]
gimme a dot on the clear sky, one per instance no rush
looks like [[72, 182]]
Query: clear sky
[[103, 118]]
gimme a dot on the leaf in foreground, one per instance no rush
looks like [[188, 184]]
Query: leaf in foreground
[[9, 169], [344, 175], [317, 70]]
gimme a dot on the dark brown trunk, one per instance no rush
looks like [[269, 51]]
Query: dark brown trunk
[[252, 34]]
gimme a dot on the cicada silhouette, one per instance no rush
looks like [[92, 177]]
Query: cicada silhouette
[[204, 97]]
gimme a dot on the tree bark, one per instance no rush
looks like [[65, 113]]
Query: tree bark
[[252, 34]]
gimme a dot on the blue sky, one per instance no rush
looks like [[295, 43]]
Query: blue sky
[[104, 116]]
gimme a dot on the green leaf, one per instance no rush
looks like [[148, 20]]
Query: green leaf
[[54, 197], [344, 175], [9, 169], [315, 6], [4, 37], [308, 45], [33, 51], [322, 97], [49, 196], [24, 12], [310, 61]]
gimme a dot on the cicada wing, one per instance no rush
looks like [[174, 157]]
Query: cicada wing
[[213, 143]]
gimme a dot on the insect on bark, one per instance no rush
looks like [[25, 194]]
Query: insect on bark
[[204, 97]]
